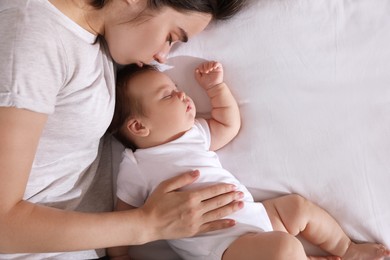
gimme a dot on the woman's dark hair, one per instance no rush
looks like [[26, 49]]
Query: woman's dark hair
[[126, 105], [219, 9]]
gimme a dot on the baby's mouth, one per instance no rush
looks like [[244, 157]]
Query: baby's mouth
[[188, 107]]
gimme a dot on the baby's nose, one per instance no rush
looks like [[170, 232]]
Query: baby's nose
[[181, 95]]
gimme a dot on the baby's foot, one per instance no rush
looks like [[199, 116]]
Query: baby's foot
[[366, 251]]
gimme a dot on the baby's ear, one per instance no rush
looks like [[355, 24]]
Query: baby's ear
[[136, 128]]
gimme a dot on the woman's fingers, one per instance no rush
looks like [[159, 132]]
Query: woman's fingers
[[207, 199], [219, 200], [203, 194], [185, 213], [216, 225], [212, 219], [215, 190], [222, 211], [178, 182]]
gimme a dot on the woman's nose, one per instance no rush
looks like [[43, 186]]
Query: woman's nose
[[161, 56]]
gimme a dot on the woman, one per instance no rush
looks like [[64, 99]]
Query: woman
[[56, 101]]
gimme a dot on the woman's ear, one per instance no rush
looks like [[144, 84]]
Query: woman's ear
[[136, 127]]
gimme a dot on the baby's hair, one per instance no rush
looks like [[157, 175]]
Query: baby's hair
[[126, 105]]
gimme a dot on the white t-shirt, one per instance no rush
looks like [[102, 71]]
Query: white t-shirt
[[142, 171], [51, 65]]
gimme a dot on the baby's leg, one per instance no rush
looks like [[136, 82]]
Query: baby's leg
[[296, 215], [273, 245], [267, 245], [366, 251]]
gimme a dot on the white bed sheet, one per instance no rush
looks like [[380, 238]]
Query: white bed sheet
[[312, 79]]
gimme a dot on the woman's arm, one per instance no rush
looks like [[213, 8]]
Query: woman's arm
[[120, 252], [28, 227], [225, 119]]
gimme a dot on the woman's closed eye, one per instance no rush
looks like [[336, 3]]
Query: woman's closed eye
[[170, 40]]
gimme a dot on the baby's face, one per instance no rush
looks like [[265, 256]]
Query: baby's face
[[169, 112]]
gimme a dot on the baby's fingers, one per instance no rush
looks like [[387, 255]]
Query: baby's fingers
[[205, 67], [216, 65], [209, 66]]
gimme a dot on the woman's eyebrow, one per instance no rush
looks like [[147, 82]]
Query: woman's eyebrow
[[183, 36]]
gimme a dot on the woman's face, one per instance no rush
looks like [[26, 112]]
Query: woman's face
[[151, 39]]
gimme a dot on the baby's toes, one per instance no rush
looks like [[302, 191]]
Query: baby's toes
[[382, 251]]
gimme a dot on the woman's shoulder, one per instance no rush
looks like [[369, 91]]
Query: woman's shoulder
[[27, 25], [39, 23], [26, 15]]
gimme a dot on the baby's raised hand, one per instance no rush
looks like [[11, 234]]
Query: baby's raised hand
[[209, 74]]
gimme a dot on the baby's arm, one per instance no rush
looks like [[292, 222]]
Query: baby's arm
[[225, 116]]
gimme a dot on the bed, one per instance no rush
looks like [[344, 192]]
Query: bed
[[312, 79]]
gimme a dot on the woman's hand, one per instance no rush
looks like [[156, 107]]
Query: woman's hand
[[172, 214]]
